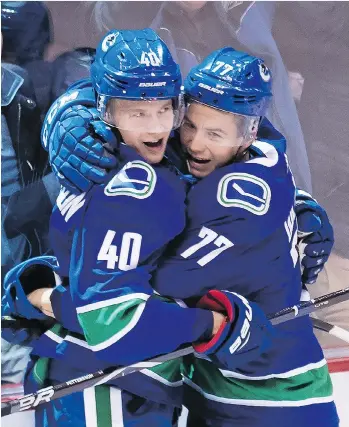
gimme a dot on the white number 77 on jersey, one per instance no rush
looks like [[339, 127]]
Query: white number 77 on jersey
[[208, 236]]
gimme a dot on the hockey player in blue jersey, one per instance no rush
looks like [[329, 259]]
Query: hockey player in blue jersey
[[241, 236], [198, 122]]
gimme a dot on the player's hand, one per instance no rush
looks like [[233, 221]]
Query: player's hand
[[242, 336], [218, 320], [82, 149], [40, 298], [315, 236]]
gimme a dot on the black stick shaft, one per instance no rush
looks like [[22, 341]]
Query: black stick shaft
[[31, 401], [310, 306]]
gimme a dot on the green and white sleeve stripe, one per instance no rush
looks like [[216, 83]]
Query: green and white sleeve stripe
[[106, 322]]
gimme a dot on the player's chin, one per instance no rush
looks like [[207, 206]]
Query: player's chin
[[200, 170], [154, 156]]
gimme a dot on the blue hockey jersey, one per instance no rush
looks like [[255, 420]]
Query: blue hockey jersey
[[108, 242], [241, 236]]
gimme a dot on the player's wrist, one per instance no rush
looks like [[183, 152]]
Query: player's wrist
[[40, 299], [222, 314], [219, 320]]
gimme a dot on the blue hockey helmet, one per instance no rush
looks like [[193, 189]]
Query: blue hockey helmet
[[231, 81], [26, 30], [135, 65]]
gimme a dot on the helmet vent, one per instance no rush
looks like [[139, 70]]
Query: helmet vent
[[242, 98], [114, 82]]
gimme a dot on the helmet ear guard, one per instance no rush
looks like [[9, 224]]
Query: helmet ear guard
[[179, 105]]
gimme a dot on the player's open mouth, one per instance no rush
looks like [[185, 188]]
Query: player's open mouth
[[154, 144], [196, 159]]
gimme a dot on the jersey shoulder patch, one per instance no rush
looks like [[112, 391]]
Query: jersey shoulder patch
[[245, 191], [136, 179]]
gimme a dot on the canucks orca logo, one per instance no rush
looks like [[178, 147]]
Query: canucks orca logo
[[245, 191], [136, 179], [264, 72], [109, 41]]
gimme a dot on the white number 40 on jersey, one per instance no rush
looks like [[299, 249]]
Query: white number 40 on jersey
[[130, 249]]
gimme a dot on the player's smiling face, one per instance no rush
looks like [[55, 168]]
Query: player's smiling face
[[211, 139], [144, 125]]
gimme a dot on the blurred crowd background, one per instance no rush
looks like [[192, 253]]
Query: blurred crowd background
[[46, 46]]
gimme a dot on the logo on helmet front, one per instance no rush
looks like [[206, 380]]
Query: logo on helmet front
[[211, 89], [109, 41], [264, 72], [155, 84]]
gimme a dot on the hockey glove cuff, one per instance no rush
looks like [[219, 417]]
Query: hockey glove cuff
[[23, 279], [243, 337]]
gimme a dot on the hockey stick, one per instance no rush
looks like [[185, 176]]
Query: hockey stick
[[307, 307], [334, 330], [45, 395]]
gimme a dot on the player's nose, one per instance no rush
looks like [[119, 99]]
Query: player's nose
[[155, 125], [196, 143]]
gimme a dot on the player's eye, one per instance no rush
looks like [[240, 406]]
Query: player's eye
[[166, 109], [214, 135], [139, 114], [188, 125]]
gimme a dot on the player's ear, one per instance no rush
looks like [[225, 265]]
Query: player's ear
[[246, 144]]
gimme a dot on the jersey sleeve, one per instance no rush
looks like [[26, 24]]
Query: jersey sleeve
[[114, 252], [64, 310]]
